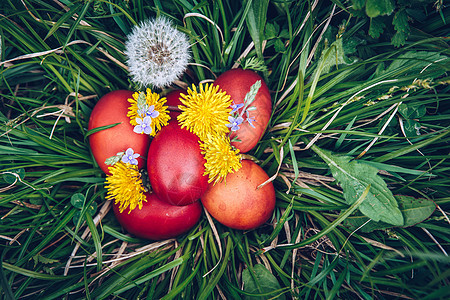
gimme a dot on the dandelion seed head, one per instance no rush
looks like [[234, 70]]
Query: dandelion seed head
[[125, 186], [157, 52]]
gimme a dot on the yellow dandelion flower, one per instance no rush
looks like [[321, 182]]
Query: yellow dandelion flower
[[221, 158], [148, 108], [125, 186], [205, 111]]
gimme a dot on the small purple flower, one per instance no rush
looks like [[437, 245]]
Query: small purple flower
[[151, 112], [130, 157], [148, 112], [235, 107], [250, 120], [143, 125], [234, 123]]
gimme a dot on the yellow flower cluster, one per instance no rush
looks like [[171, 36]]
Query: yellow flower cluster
[[221, 158], [151, 105], [205, 112], [125, 186]]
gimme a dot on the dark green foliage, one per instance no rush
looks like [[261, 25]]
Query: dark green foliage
[[360, 111]]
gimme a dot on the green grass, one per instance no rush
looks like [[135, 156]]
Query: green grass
[[357, 98]]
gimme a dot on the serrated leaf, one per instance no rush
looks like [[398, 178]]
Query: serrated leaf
[[414, 211], [399, 38], [77, 200], [358, 4], [279, 46], [354, 177], [376, 27], [271, 30], [332, 56], [375, 8], [261, 282], [400, 21], [41, 259]]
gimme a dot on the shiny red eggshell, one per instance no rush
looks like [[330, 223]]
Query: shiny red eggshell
[[237, 202], [237, 83], [157, 219], [110, 109], [175, 165], [173, 99]]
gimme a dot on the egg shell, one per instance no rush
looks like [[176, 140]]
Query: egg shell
[[175, 165], [237, 83], [237, 202], [112, 108], [157, 219]]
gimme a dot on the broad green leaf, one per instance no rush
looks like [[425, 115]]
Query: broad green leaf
[[256, 20], [412, 111], [375, 8], [412, 128], [261, 282], [414, 211], [335, 58], [415, 61], [401, 25], [358, 4], [12, 176], [354, 177], [376, 27], [271, 31], [77, 200]]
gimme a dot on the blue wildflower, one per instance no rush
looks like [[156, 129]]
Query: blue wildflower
[[235, 107], [234, 123], [151, 112], [143, 125], [130, 157], [250, 120]]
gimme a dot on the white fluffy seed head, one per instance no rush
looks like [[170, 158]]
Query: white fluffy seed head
[[157, 53]]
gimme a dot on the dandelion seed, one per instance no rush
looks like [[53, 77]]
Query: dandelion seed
[[234, 123], [157, 52], [144, 125], [221, 158], [130, 157], [205, 111], [150, 105], [125, 186]]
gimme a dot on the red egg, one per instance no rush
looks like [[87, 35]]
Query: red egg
[[237, 83], [237, 202], [157, 219], [173, 100], [175, 166], [112, 108]]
